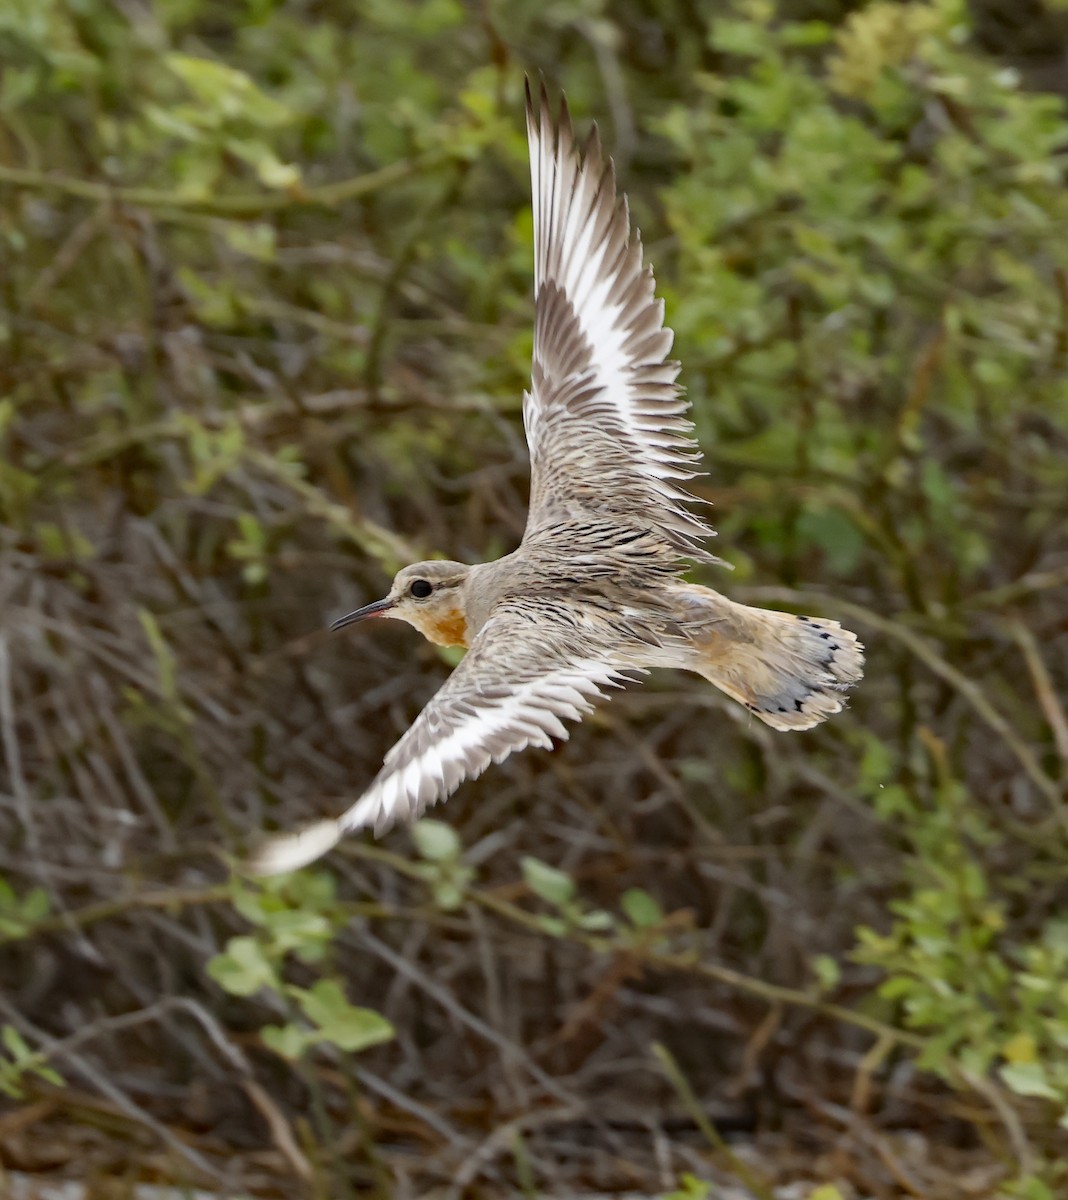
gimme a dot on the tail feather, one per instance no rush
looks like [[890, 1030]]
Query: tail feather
[[792, 672]]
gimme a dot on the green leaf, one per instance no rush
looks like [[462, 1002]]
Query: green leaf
[[225, 93], [547, 882], [290, 1041], [436, 841], [23, 1059], [553, 926], [345, 1025], [35, 905], [596, 921], [298, 930], [259, 242], [747, 39], [691, 1188], [18, 916], [15, 1044], [162, 653], [807, 33], [242, 968], [828, 972], [267, 165], [641, 909], [448, 895], [1030, 1079], [451, 890], [48, 1074]]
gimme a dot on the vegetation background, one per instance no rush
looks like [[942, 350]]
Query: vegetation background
[[266, 320]]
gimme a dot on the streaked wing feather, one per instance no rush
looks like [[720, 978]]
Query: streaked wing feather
[[604, 418], [531, 668]]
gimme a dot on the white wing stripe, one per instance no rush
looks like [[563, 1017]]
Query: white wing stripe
[[583, 247], [607, 438], [460, 735], [530, 715]]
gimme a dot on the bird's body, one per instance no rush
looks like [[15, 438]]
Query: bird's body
[[594, 593]]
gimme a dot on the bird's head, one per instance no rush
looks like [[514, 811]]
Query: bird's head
[[428, 595]]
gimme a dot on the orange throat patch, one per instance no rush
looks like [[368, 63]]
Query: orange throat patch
[[448, 630]]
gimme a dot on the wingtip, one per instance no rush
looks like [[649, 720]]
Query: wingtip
[[542, 112], [539, 113], [290, 851], [565, 110], [543, 98], [591, 150]]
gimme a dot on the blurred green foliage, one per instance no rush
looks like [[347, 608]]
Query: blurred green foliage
[[295, 918], [896, 269], [265, 326], [18, 1062]]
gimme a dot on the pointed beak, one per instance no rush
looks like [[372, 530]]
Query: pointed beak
[[379, 609]]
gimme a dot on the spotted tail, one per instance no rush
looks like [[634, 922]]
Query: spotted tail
[[792, 672]]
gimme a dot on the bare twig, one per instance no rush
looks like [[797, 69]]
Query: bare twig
[[13, 756], [701, 1119], [1043, 684], [64, 1049], [327, 195], [502, 1139], [451, 1005]]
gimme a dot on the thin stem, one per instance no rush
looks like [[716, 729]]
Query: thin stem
[[701, 1119], [327, 195]]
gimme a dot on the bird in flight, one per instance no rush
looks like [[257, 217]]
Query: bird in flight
[[594, 595]]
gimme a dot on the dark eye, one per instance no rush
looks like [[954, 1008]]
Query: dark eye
[[421, 588]]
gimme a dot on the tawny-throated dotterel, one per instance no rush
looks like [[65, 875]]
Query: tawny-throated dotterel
[[594, 595]]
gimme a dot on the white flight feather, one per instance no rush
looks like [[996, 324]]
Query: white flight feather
[[531, 716], [565, 191], [572, 247]]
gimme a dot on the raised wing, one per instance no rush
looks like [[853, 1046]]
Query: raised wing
[[531, 668], [604, 417]]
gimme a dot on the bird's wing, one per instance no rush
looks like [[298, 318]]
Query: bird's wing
[[604, 418], [533, 666]]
